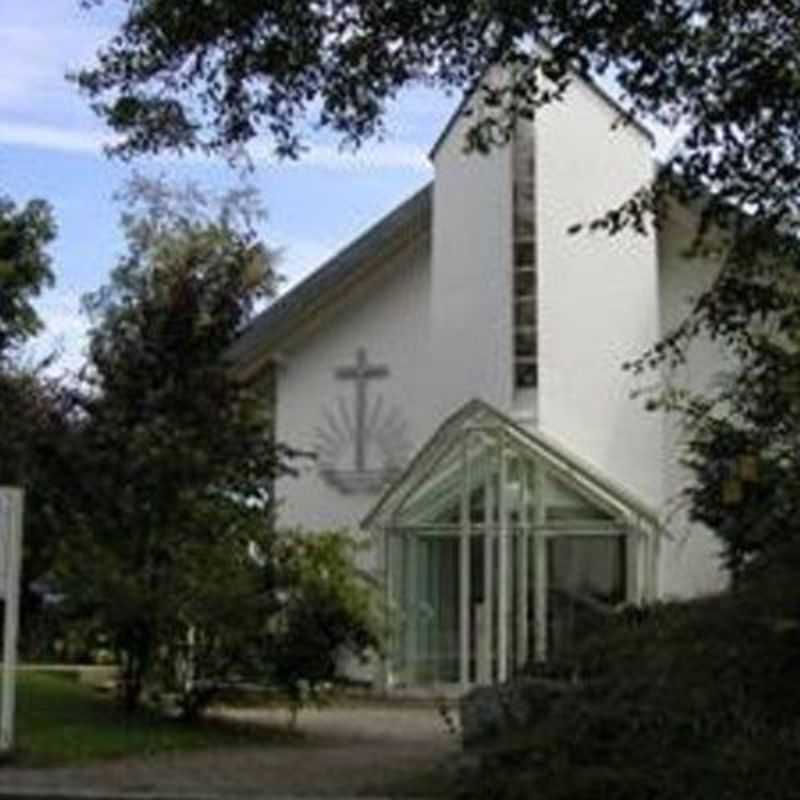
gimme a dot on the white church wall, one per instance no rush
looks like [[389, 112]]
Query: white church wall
[[598, 295], [689, 563], [471, 276], [316, 410], [441, 324]]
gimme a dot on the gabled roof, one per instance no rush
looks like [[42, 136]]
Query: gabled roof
[[334, 277], [331, 279], [587, 80], [563, 464]]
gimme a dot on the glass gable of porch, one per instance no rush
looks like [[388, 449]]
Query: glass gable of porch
[[500, 547]]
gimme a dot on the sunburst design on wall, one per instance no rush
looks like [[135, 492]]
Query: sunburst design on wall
[[362, 462]]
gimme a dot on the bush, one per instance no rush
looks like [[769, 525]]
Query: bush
[[283, 615], [681, 701], [330, 612]]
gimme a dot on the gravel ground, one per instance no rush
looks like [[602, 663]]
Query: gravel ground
[[358, 751]]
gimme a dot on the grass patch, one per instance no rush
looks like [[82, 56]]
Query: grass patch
[[60, 722]]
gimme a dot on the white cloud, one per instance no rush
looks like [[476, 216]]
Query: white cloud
[[54, 138], [38, 108], [384, 155], [34, 59], [21, 74]]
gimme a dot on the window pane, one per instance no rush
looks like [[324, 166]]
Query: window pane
[[586, 580], [589, 567], [524, 254], [524, 164], [525, 375], [524, 283], [525, 312], [523, 198], [524, 227], [524, 258], [525, 343]]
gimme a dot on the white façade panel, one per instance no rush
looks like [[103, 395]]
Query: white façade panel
[[383, 323], [598, 295], [471, 275], [690, 562]]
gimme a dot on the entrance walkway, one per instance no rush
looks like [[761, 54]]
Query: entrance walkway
[[360, 751]]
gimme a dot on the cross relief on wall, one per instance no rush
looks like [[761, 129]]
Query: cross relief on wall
[[362, 443]]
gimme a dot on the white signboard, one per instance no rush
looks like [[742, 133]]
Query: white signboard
[[11, 502]]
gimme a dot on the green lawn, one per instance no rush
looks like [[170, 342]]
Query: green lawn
[[59, 721]]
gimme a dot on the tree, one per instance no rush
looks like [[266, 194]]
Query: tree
[[743, 443], [25, 269], [212, 76], [35, 454], [286, 616], [177, 458], [35, 419], [221, 600]]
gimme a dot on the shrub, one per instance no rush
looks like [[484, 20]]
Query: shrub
[[284, 615], [330, 611], [681, 701]]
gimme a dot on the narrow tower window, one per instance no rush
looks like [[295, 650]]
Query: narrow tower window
[[524, 282]]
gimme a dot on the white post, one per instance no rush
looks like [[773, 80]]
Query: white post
[[634, 561], [502, 580], [434, 647], [412, 606], [465, 569], [652, 543], [487, 640], [390, 651], [540, 567], [523, 565], [11, 504]]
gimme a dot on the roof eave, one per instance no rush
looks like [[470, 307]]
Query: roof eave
[[270, 327]]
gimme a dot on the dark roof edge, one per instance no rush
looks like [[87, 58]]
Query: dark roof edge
[[279, 317]]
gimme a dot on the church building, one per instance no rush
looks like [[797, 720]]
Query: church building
[[457, 370]]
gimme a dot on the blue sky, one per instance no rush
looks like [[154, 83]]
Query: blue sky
[[51, 147]]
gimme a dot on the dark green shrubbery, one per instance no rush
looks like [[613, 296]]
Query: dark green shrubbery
[[682, 701]]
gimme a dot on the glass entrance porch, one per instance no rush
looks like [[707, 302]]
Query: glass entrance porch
[[499, 548]]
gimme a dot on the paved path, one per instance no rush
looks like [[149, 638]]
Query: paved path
[[343, 752]]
